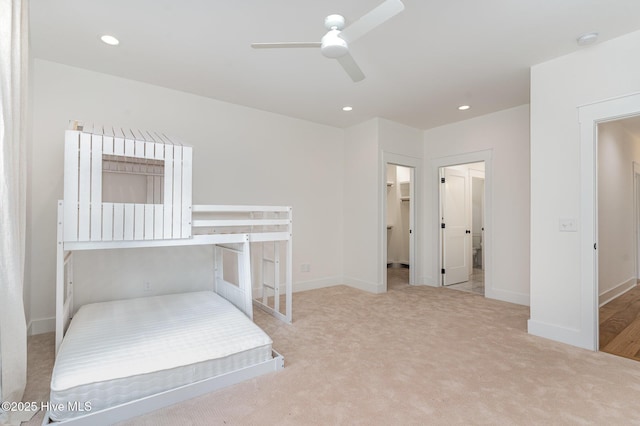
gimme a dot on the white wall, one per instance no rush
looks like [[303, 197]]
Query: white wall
[[617, 150], [241, 156], [365, 148], [506, 135], [558, 88], [361, 220]]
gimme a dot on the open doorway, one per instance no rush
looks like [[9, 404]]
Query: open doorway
[[462, 216], [590, 118], [399, 227], [618, 224], [400, 187]]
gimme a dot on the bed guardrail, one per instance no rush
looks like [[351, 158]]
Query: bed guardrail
[[269, 230]]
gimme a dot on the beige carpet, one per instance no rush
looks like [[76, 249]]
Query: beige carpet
[[415, 355]]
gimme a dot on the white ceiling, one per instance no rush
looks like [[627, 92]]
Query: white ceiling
[[419, 66]]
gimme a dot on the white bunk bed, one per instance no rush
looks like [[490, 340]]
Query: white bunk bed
[[125, 358]]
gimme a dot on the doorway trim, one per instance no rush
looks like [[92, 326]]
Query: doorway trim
[[636, 213], [436, 245], [589, 116], [476, 174], [415, 199]]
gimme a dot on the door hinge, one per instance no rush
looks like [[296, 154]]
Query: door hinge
[[410, 231], [442, 271], [467, 232], [442, 180], [595, 246], [442, 225]]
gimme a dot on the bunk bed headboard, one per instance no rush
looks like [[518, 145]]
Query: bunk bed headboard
[[91, 152]]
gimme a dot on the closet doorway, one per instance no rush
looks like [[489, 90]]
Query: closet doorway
[[462, 218], [399, 200], [399, 188]]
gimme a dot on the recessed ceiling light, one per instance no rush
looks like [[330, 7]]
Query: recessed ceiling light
[[347, 108], [587, 39], [464, 107], [110, 40]]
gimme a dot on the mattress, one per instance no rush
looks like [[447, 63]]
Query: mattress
[[120, 351]]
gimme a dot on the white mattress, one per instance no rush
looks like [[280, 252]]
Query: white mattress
[[116, 352]]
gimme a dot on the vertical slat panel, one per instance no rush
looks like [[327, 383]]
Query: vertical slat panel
[[107, 141], [129, 221], [118, 221], [107, 221], [71, 148], [168, 190], [138, 142], [84, 195], [177, 191], [186, 191], [129, 143], [96, 187], [138, 227], [148, 221], [118, 142], [149, 150], [158, 222], [139, 149], [159, 151]]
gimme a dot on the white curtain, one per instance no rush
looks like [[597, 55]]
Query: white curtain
[[14, 42]]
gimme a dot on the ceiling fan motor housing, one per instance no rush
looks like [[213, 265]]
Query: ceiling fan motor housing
[[333, 46]]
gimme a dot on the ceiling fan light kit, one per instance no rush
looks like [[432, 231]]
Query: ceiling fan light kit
[[333, 46], [335, 43]]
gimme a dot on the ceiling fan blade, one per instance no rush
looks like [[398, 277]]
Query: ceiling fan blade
[[369, 21], [285, 44], [351, 67]]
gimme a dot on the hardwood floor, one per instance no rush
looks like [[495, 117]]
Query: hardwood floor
[[620, 325]]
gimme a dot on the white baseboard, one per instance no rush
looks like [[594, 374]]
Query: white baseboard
[[570, 336], [617, 291], [315, 284], [507, 296], [40, 326], [364, 285], [427, 280]]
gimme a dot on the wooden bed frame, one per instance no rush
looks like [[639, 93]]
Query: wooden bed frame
[[167, 219]]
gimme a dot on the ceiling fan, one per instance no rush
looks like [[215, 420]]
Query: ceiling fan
[[335, 43]]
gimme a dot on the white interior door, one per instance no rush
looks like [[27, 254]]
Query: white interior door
[[454, 226]]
